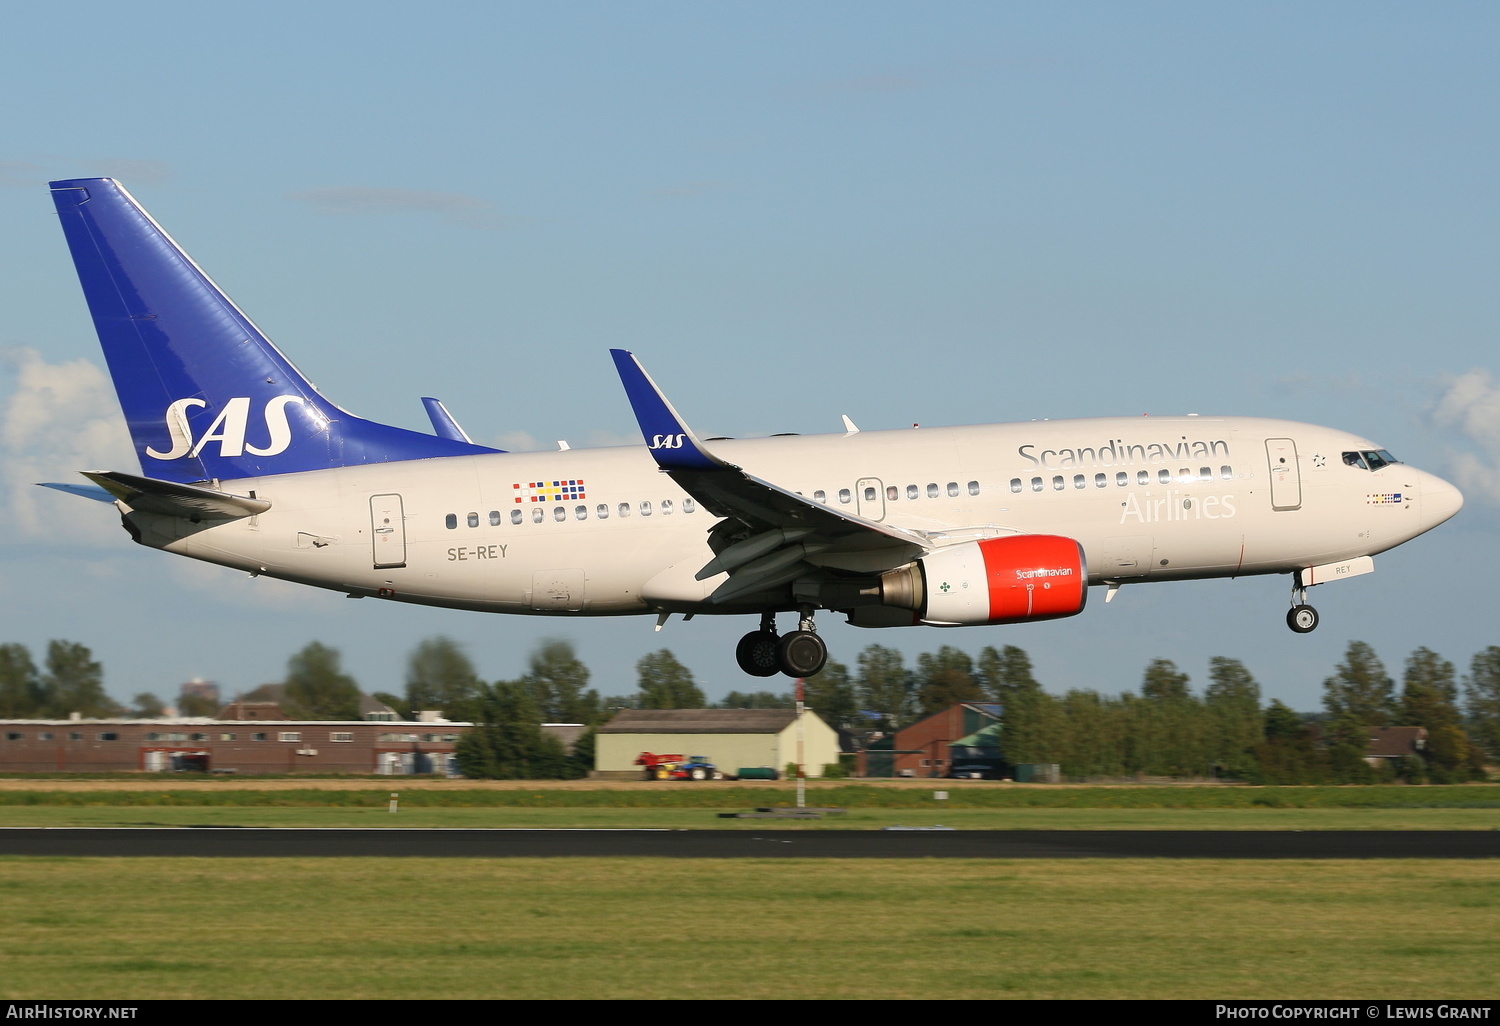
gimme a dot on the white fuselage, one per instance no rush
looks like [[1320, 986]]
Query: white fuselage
[[604, 532]]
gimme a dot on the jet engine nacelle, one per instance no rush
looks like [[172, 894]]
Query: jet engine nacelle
[[998, 580]]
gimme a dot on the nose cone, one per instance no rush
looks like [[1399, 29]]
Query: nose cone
[[1440, 500]]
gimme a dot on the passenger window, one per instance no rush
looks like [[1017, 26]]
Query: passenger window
[[688, 505], [892, 493], [581, 512], [451, 521], [560, 513], [869, 494], [515, 516], [1142, 477], [1058, 483], [494, 518], [666, 507], [844, 496], [645, 507], [973, 487], [1100, 480], [1205, 473], [473, 519], [932, 491], [1122, 479], [538, 514], [820, 496], [624, 509], [1164, 476], [1185, 475], [953, 488], [911, 491], [1036, 484], [1079, 481], [602, 511], [1015, 484]]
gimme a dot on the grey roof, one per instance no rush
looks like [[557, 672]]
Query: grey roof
[[700, 721]]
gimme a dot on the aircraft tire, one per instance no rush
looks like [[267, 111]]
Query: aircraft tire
[[756, 654], [1302, 619], [801, 654]]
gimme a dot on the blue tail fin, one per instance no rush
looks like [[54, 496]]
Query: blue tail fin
[[205, 394]]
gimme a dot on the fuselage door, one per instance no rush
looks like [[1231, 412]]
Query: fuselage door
[[1286, 479], [388, 531], [869, 498]]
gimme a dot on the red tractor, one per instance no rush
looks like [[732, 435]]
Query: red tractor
[[677, 767]]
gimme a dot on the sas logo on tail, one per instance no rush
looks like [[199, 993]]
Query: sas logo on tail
[[228, 428]]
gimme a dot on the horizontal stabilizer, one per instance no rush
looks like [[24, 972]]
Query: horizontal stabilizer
[[192, 502], [87, 491]]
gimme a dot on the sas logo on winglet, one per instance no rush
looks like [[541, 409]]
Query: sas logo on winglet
[[228, 428], [666, 442]]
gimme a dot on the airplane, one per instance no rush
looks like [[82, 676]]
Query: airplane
[[244, 463]]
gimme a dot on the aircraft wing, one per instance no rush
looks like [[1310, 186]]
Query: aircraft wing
[[785, 528]]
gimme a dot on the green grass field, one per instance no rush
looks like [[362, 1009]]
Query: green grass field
[[644, 928], [660, 928], [869, 806], [512, 817]]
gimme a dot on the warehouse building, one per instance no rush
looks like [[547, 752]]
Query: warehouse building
[[226, 746], [732, 739]]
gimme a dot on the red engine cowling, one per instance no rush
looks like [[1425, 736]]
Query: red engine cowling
[[1004, 580]]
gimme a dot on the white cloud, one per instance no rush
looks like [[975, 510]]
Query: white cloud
[[1471, 404], [58, 419], [453, 207], [514, 441]]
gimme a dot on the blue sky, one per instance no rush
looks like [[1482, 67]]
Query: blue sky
[[950, 213]]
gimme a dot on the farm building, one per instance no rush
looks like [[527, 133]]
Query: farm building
[[732, 739], [964, 738]]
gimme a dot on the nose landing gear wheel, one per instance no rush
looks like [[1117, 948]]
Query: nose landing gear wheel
[[1303, 619], [756, 654], [801, 654]]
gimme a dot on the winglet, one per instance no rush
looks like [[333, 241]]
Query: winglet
[[672, 443], [443, 424]]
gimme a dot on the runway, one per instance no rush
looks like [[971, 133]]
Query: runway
[[238, 842]]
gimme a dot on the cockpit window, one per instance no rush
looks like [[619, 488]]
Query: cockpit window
[[1370, 459]]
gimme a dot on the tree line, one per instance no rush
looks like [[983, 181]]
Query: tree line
[[1164, 729]]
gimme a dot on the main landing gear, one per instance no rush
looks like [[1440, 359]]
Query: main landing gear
[[1302, 617], [763, 653]]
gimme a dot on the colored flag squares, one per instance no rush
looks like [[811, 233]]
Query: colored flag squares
[[543, 491]]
